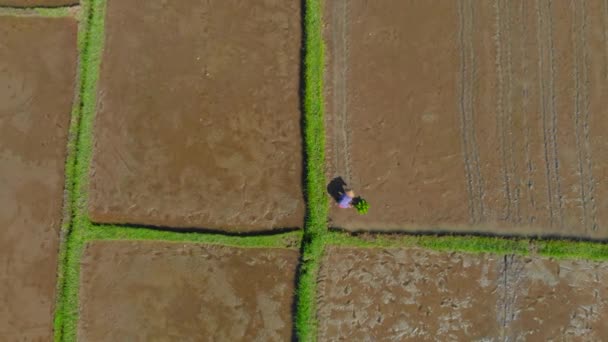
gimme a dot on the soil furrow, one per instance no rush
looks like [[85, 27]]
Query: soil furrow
[[541, 55], [512, 161], [340, 104], [551, 88], [585, 119], [525, 103], [500, 110], [471, 115], [464, 88], [576, 34]]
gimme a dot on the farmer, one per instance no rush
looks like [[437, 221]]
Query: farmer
[[346, 199]]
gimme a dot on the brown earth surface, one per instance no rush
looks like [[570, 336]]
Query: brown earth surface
[[37, 3], [420, 295], [470, 116], [160, 291], [198, 120], [37, 78]]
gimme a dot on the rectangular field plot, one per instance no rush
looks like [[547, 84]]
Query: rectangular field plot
[[470, 115], [198, 122], [37, 79], [143, 291], [419, 295]]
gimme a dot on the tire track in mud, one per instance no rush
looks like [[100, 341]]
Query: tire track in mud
[[469, 140], [546, 113], [587, 112], [553, 135], [504, 111], [581, 117], [510, 279], [523, 13], [340, 52]]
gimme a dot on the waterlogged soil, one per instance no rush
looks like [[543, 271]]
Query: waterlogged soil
[[142, 291], [37, 79], [469, 116], [421, 295], [38, 3], [198, 120]]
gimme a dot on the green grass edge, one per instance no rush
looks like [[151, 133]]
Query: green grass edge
[[314, 141], [90, 34]]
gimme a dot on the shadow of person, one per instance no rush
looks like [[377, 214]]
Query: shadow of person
[[335, 188]]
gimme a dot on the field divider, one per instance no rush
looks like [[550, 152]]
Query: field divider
[[52, 12], [290, 239], [90, 42], [556, 248], [315, 227]]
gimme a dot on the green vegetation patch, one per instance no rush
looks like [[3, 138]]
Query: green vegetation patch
[[314, 142]]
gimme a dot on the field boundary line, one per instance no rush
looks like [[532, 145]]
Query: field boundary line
[[547, 247], [116, 232], [317, 209], [90, 40], [69, 172]]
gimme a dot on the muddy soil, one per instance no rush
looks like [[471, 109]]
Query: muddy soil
[[142, 291], [470, 116], [38, 3], [198, 122], [37, 77], [419, 295]]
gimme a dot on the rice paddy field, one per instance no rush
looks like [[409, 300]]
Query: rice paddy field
[[165, 170]]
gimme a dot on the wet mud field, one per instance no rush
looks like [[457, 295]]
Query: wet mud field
[[175, 291], [37, 79], [470, 116], [420, 295], [198, 117]]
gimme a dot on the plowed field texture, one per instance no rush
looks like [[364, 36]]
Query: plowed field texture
[[470, 116], [418, 295]]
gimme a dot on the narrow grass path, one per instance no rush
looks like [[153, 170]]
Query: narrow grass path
[[314, 139]]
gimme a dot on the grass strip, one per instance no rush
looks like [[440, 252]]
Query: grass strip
[[113, 232], [314, 141], [52, 12], [558, 249], [90, 41], [564, 249], [467, 244]]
